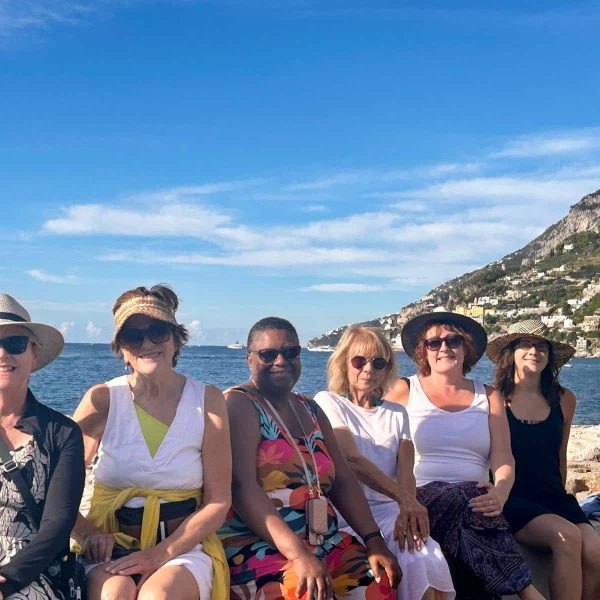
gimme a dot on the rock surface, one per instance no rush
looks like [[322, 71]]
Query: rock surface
[[583, 455]]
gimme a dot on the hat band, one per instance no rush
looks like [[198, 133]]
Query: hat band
[[12, 317]]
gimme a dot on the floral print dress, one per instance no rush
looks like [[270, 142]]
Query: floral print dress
[[258, 569], [16, 530]]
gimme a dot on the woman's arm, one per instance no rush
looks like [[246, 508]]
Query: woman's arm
[[567, 404], [60, 510], [348, 497], [399, 393], [502, 463], [216, 464]]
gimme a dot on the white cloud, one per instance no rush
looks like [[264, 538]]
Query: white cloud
[[92, 331], [552, 144], [50, 278], [172, 220], [342, 288], [65, 327], [195, 329]]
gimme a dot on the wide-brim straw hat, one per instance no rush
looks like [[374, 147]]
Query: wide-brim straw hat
[[151, 306], [49, 340], [413, 327], [530, 328]]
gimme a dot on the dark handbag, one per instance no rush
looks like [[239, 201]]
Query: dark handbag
[[66, 573]]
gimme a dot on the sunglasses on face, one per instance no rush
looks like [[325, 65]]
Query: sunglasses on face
[[359, 362], [452, 341], [132, 337], [528, 345], [15, 344], [269, 355]]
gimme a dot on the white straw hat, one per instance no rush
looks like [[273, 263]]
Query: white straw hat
[[49, 340], [530, 328]]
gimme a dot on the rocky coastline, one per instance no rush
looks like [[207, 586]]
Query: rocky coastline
[[583, 456]]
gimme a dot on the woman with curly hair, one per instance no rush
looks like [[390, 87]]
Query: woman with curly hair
[[460, 433], [539, 511]]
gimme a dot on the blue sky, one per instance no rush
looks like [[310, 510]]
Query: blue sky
[[326, 161]]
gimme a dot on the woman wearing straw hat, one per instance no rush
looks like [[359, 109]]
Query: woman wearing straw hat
[[540, 411], [46, 448], [374, 436], [163, 473], [460, 433]]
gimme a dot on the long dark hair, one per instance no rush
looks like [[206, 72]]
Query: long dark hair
[[504, 376]]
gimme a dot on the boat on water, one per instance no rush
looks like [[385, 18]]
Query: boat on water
[[320, 348], [235, 346]]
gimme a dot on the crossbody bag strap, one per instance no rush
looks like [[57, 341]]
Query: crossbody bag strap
[[12, 472], [290, 438]]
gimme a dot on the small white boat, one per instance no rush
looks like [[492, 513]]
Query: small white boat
[[321, 348], [235, 346]]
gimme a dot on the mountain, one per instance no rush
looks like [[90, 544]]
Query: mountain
[[555, 277]]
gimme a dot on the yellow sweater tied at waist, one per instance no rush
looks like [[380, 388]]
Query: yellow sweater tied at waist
[[106, 501]]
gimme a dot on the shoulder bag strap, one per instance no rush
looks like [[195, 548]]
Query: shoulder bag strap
[[13, 473]]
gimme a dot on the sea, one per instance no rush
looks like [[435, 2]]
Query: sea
[[80, 366]]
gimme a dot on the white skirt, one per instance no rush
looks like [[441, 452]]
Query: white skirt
[[421, 569]]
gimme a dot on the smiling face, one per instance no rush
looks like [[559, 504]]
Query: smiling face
[[16, 368], [445, 359], [151, 356], [531, 356], [280, 376]]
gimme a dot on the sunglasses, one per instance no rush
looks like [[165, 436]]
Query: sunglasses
[[15, 344], [269, 355], [358, 362], [158, 333], [528, 345], [452, 342]]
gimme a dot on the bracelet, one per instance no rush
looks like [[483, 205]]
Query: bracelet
[[370, 536]]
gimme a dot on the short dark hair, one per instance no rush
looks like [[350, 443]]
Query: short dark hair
[[270, 323], [164, 293]]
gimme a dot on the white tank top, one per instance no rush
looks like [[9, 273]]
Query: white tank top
[[449, 446], [124, 460], [377, 432]]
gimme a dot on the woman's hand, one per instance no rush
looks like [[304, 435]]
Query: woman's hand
[[313, 578], [98, 546], [412, 524], [491, 503], [144, 563], [383, 562]]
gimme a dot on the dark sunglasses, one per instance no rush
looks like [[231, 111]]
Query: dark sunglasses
[[132, 337], [452, 341], [358, 362], [269, 355], [15, 344], [528, 345]]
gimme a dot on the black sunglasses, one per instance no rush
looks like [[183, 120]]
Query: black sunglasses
[[15, 344], [269, 355], [358, 362], [157, 333], [528, 345], [452, 341]]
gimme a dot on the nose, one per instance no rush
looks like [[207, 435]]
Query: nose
[[368, 366], [280, 359]]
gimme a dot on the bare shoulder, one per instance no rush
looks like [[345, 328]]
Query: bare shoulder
[[240, 408], [214, 400], [399, 392], [568, 403], [495, 400], [95, 403]]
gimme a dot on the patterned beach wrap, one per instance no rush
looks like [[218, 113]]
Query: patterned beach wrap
[[481, 551]]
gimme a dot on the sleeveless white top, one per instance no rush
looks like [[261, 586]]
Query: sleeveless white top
[[124, 460], [376, 431], [449, 446]]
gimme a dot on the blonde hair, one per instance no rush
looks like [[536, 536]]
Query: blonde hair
[[360, 340]]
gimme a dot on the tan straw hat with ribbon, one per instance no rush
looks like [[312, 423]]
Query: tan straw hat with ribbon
[[49, 340], [151, 306], [530, 328]]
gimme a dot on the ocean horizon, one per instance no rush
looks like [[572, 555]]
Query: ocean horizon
[[82, 365]]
